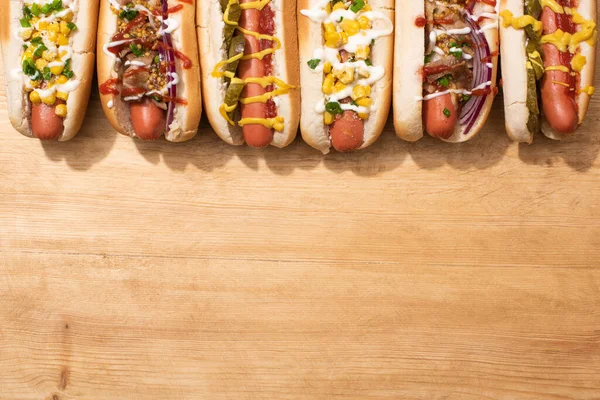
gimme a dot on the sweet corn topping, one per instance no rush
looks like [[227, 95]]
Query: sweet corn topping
[[46, 30], [344, 60]]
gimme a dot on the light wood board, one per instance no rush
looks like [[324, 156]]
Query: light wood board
[[132, 270]]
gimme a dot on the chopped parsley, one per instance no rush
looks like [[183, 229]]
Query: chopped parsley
[[313, 63], [136, 49], [444, 81], [128, 14], [368, 62], [47, 74], [447, 113], [71, 26], [40, 49], [333, 107], [357, 5]]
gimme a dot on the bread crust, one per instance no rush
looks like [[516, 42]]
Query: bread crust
[[314, 132], [210, 25], [186, 116], [82, 64]]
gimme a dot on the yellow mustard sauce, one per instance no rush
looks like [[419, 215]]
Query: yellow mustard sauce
[[276, 123]]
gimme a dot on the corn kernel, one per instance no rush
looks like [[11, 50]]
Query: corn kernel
[[346, 75], [57, 70], [53, 36], [358, 92], [62, 40], [40, 63], [329, 27], [64, 29], [36, 34], [344, 36], [33, 21], [339, 86], [35, 97], [61, 110], [68, 16], [62, 95], [28, 53], [50, 99], [54, 27], [363, 52], [36, 83], [333, 39], [367, 8], [364, 22], [351, 27], [363, 115], [25, 34], [327, 87], [62, 80], [43, 25], [48, 55], [339, 5], [327, 67], [364, 102], [328, 8], [327, 118]]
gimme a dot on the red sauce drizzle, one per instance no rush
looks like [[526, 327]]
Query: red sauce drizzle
[[420, 22], [110, 86], [266, 26]]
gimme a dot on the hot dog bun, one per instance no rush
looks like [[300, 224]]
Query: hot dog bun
[[285, 67], [83, 42], [409, 58], [314, 131], [514, 59], [588, 10], [186, 116]]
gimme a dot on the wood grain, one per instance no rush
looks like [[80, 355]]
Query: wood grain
[[135, 270]]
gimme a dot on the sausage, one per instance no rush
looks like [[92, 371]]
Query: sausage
[[347, 130], [255, 135], [45, 124], [438, 123], [148, 120], [558, 105]]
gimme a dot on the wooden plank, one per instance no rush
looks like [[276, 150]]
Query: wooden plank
[[98, 327]]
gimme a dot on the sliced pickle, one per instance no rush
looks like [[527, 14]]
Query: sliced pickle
[[533, 8], [237, 47], [533, 124], [535, 59], [234, 16], [233, 94]]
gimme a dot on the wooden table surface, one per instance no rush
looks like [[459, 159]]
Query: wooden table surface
[[136, 270]]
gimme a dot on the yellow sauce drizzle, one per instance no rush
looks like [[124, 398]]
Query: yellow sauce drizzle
[[563, 41], [589, 90], [281, 87]]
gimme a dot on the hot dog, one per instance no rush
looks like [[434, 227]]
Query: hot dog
[[48, 53], [548, 80], [148, 68], [445, 87], [346, 71], [250, 72]]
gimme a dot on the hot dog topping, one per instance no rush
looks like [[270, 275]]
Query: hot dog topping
[[573, 31], [454, 53], [235, 51], [145, 60], [46, 30], [344, 60]]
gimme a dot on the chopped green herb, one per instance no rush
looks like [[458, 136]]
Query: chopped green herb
[[47, 73], [444, 81], [72, 26], [368, 62], [447, 113], [29, 67], [40, 49], [313, 63], [372, 42], [128, 14], [333, 107], [354, 103], [37, 40], [157, 98], [67, 70], [457, 53], [465, 97], [428, 57], [25, 47], [341, 19], [136, 49], [25, 23], [156, 59], [35, 9], [357, 5], [27, 12]]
